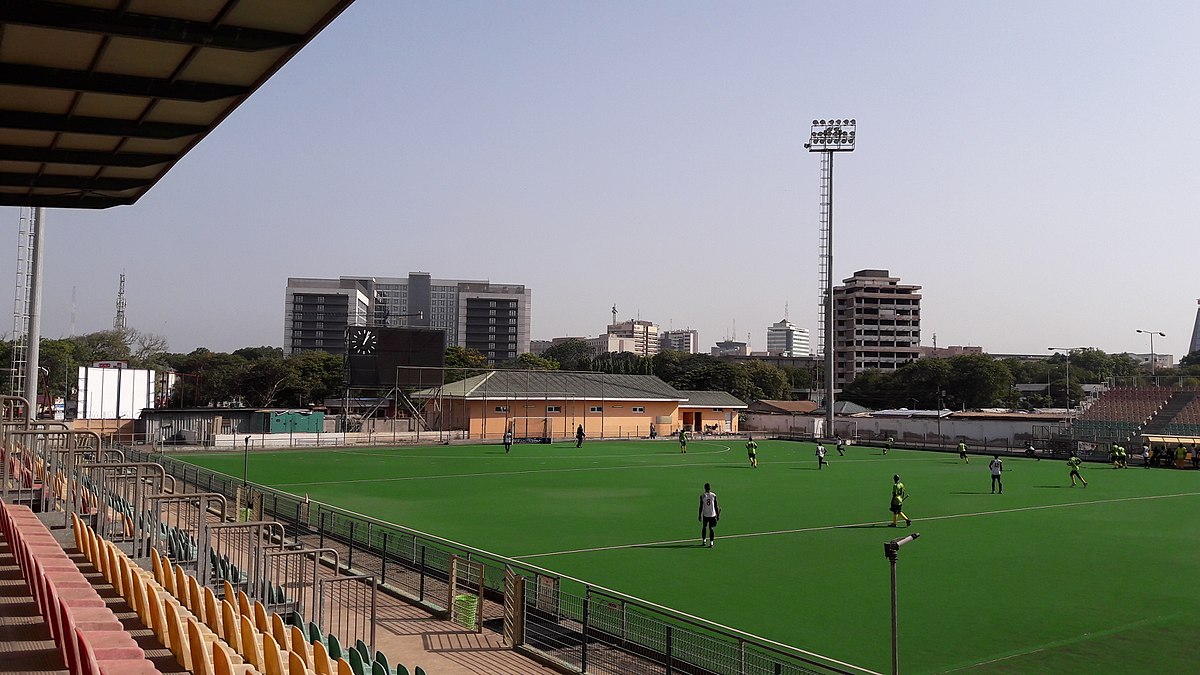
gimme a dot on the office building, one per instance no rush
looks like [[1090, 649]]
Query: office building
[[491, 318], [730, 348], [787, 339], [877, 324], [686, 341], [643, 333], [317, 312]]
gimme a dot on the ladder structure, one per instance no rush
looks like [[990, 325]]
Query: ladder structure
[[20, 346], [824, 251]]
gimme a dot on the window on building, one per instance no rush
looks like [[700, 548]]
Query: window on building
[[596, 409], [501, 408], [554, 408], [638, 409]]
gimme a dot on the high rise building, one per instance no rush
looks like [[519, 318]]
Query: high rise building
[[787, 339], [877, 324], [686, 341], [491, 318], [316, 313], [643, 333]]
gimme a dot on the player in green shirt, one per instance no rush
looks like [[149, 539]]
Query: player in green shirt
[[888, 446], [1074, 463], [752, 451], [898, 497], [962, 452]]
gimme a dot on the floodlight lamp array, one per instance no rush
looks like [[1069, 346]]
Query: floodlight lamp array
[[833, 135]]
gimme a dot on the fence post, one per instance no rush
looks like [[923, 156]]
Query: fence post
[[670, 646], [321, 528], [421, 576], [350, 556], [583, 638], [383, 560]]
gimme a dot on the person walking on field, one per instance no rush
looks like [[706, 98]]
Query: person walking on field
[[752, 451], [898, 496], [507, 440], [997, 467], [683, 441], [1074, 463], [710, 513], [579, 436], [821, 456]]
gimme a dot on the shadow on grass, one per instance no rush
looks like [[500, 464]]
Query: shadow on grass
[[805, 468], [1051, 487], [972, 493], [864, 526]]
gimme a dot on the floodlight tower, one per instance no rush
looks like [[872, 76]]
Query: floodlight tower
[[1153, 360], [828, 137]]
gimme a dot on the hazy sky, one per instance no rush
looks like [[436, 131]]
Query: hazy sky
[[1034, 166]]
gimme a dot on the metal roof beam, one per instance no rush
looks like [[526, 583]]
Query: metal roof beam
[[97, 125], [21, 153], [34, 180], [104, 83], [142, 26], [75, 201]]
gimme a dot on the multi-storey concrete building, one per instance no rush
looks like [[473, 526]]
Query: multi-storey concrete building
[[643, 333], [877, 324], [686, 340], [730, 348], [491, 318], [787, 339], [317, 312]]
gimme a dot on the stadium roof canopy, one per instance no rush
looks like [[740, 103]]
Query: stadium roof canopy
[[100, 98]]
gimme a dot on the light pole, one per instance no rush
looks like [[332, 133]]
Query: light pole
[[1069, 351], [1153, 361], [891, 550], [828, 137]]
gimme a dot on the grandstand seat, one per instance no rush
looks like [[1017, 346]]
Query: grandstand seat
[[223, 663]]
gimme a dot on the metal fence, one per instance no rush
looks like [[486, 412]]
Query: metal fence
[[585, 627]]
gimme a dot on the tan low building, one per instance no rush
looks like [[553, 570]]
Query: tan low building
[[547, 404]]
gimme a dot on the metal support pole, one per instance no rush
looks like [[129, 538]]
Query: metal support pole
[[829, 322], [34, 337], [895, 622]]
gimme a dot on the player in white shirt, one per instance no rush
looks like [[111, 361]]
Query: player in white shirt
[[821, 456], [997, 467], [710, 513]]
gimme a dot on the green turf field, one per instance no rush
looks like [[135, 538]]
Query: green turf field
[[1042, 579]]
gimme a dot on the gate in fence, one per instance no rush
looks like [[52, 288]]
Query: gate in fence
[[347, 606]]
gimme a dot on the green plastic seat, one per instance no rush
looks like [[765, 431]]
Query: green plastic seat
[[334, 647], [401, 670], [356, 663]]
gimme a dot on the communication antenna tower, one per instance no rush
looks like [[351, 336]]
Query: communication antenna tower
[[119, 320]]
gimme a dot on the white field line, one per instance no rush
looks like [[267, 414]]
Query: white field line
[[823, 528]]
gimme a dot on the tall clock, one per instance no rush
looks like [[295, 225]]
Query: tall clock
[[363, 341]]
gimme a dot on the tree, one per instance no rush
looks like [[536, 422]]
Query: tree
[[978, 380], [267, 380], [146, 350], [570, 354], [1192, 359], [530, 361], [871, 389], [316, 376], [462, 363]]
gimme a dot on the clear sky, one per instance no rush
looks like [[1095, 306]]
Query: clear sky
[[1034, 166]]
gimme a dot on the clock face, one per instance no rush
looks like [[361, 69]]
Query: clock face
[[363, 341]]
